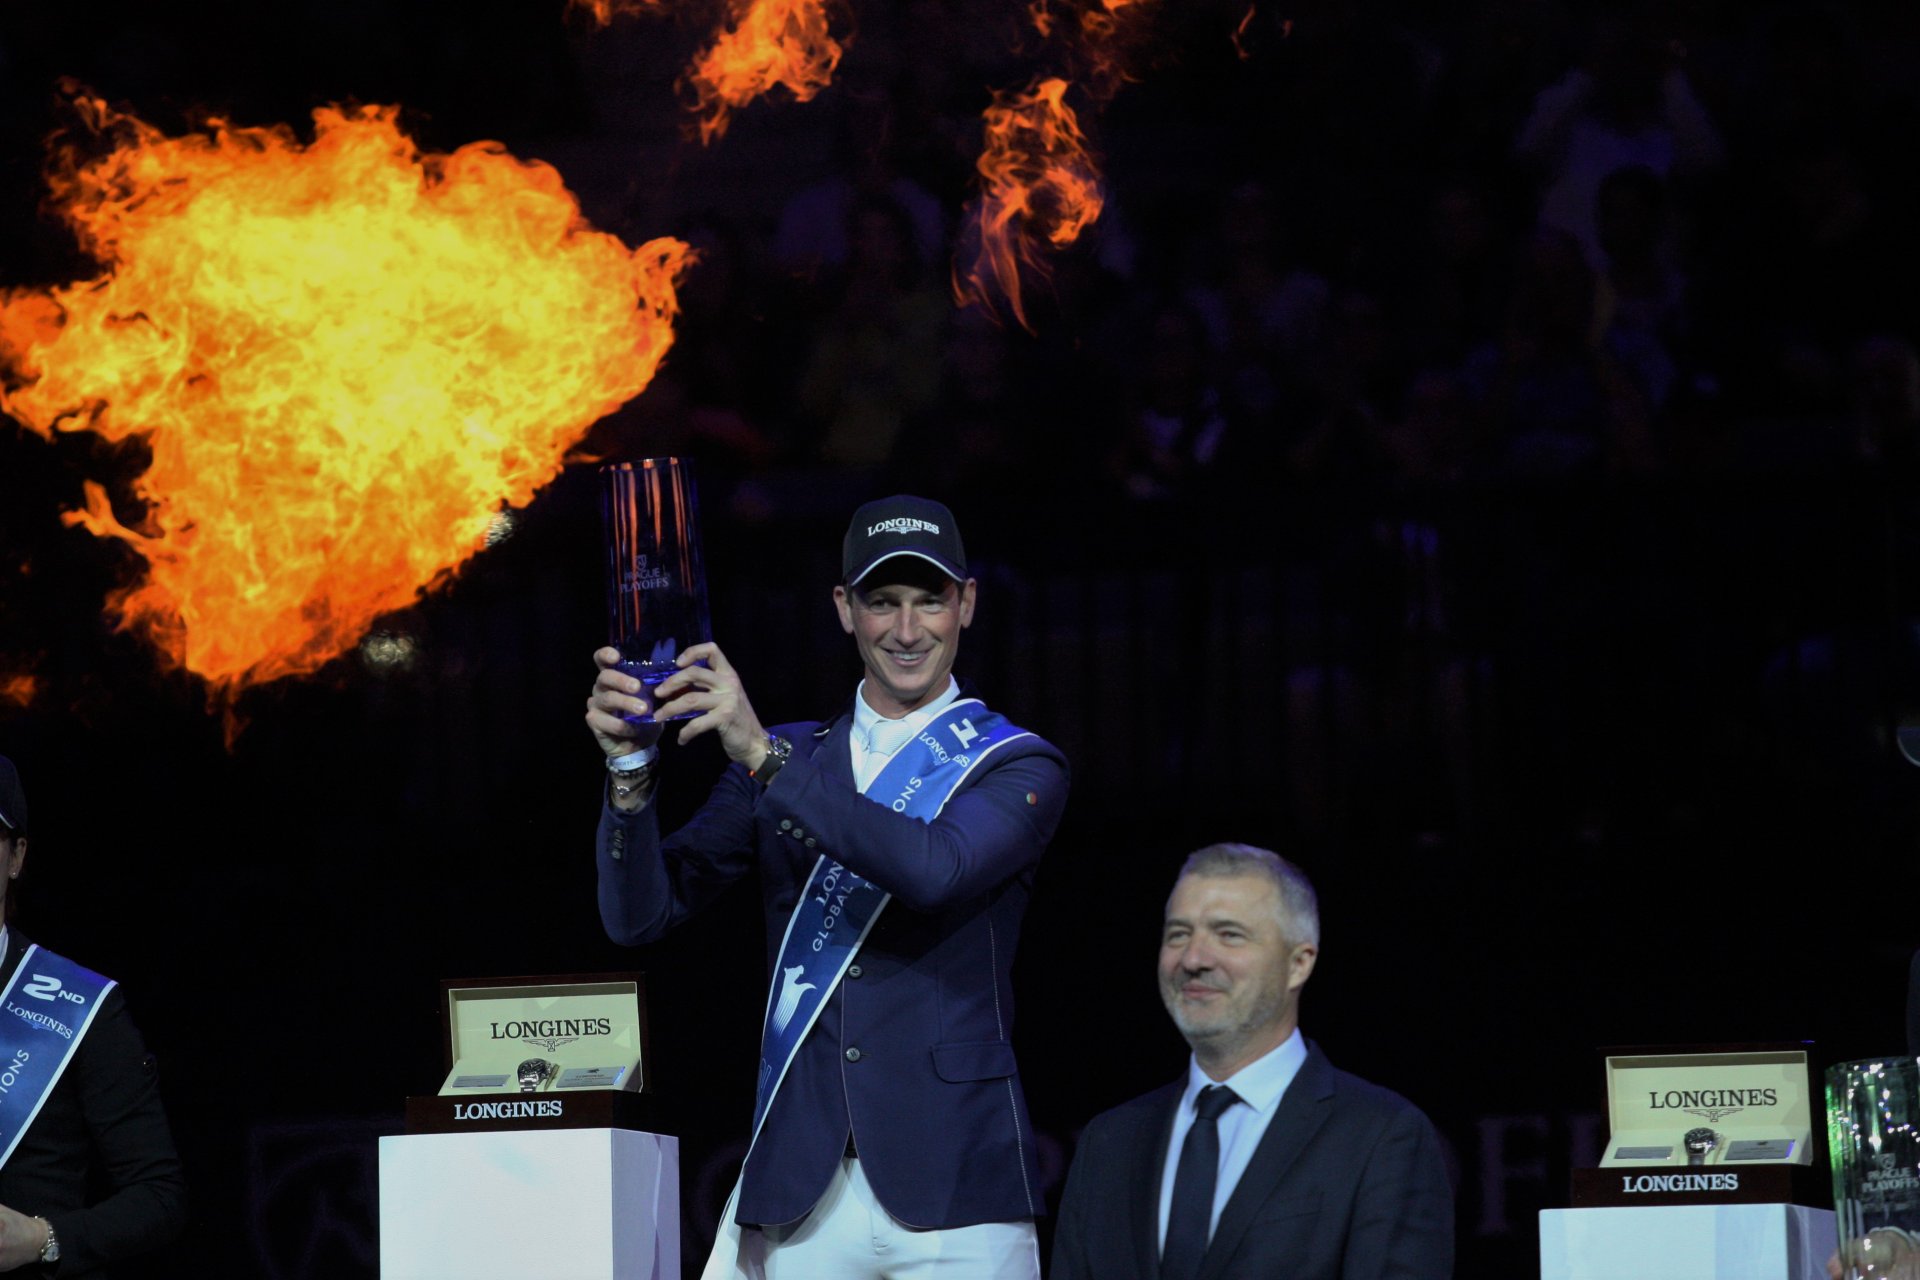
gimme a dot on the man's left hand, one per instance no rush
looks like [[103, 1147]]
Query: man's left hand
[[21, 1239], [716, 693]]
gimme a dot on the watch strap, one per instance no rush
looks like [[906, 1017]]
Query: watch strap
[[779, 750]]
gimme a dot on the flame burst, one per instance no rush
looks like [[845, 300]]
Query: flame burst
[[605, 11], [1038, 182], [344, 357], [1098, 19], [764, 44], [1103, 23], [19, 687], [1239, 34]]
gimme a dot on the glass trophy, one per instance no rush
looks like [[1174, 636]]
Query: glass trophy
[[656, 581], [1873, 1107]]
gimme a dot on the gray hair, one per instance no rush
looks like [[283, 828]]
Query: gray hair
[[1299, 905]]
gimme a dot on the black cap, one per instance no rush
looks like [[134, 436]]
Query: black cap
[[13, 798], [902, 526]]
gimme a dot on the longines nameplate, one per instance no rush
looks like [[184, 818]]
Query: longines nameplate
[[590, 1078], [1760, 1149]]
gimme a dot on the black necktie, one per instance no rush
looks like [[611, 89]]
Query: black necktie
[[1190, 1220]]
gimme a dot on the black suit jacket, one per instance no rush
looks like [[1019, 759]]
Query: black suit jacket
[[1348, 1183], [98, 1161]]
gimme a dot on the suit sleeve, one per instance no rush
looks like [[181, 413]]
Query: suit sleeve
[[993, 829], [145, 1204], [1402, 1227], [1070, 1260], [647, 885]]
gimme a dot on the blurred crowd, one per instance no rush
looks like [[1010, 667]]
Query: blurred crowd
[[1510, 242]]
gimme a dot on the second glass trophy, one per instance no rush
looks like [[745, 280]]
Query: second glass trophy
[[1873, 1132], [656, 581]]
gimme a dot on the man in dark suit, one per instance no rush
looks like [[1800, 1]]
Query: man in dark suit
[[88, 1174], [895, 846], [1264, 1162]]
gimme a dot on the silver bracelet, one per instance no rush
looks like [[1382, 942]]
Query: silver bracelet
[[641, 781]]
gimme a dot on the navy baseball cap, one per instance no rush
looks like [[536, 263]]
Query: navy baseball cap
[[13, 798], [902, 526]]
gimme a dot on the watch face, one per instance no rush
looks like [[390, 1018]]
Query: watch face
[[1700, 1141]]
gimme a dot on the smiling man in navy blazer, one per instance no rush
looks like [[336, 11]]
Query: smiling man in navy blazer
[[895, 845], [1263, 1162]]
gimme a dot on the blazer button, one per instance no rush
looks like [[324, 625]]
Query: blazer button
[[786, 824], [853, 1055], [853, 971], [798, 832], [811, 842]]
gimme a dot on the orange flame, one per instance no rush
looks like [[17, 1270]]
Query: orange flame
[[765, 43], [1100, 25], [18, 687], [345, 356], [1239, 33], [1038, 182], [605, 11], [1097, 22]]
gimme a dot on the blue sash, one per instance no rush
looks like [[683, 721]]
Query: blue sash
[[44, 1011], [839, 905]]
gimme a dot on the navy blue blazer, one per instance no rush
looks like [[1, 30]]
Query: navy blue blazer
[[912, 1054], [1348, 1183]]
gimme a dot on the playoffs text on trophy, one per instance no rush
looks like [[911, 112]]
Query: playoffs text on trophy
[[1873, 1108], [656, 580]]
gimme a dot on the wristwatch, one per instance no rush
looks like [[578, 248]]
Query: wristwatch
[[778, 752], [50, 1251], [1698, 1143]]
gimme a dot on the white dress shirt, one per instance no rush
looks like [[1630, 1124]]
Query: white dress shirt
[[1260, 1085], [875, 738]]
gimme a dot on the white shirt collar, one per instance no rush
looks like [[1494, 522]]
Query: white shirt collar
[[865, 717], [1261, 1083]]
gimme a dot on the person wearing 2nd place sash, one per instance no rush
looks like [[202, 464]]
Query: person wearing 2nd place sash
[[895, 845], [88, 1173]]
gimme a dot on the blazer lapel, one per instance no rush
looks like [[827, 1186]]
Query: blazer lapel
[[1302, 1111], [830, 749], [1150, 1153]]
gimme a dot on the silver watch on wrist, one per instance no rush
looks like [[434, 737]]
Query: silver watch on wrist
[[50, 1251]]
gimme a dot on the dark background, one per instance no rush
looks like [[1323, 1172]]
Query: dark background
[[1532, 562]]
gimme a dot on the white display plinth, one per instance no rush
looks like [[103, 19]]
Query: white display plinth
[[1687, 1242], [560, 1204]]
